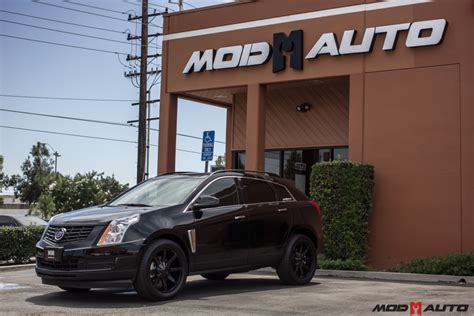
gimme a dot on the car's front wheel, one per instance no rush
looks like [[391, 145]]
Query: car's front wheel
[[298, 264], [162, 271]]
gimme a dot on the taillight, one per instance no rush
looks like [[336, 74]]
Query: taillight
[[316, 206]]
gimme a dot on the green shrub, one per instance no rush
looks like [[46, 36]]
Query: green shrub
[[453, 264], [343, 190], [18, 243], [352, 265]]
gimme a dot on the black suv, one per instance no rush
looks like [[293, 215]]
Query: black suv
[[157, 233]]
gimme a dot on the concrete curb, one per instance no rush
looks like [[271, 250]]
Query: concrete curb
[[17, 267], [389, 276]]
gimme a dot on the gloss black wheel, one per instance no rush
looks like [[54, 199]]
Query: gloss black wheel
[[162, 271], [298, 264]]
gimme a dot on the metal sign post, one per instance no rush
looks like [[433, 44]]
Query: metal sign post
[[207, 152]]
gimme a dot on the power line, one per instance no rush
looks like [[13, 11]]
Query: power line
[[64, 45], [94, 7], [64, 22], [90, 137], [94, 121], [189, 4], [71, 33], [64, 99], [80, 11]]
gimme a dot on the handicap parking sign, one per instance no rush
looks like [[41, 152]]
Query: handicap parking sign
[[207, 152]]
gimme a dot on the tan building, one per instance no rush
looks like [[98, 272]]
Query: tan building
[[389, 83]]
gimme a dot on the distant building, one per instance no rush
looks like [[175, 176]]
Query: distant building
[[12, 205]]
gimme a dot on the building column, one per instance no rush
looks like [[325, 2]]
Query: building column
[[255, 131], [356, 118], [228, 138], [167, 134]]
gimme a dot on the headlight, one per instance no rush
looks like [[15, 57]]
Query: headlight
[[114, 233]]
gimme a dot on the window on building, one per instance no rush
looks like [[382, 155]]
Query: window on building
[[341, 153], [272, 162], [256, 191], [225, 190], [239, 160]]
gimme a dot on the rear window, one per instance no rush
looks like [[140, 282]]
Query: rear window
[[256, 191], [282, 193]]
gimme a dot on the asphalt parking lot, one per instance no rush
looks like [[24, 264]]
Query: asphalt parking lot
[[21, 293]]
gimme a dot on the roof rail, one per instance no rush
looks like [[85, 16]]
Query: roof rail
[[179, 172], [263, 173]]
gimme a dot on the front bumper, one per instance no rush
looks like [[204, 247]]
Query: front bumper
[[108, 266]]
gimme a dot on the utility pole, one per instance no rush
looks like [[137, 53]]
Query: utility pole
[[142, 115], [180, 4], [141, 83]]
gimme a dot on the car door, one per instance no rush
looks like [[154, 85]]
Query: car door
[[269, 220], [222, 235]]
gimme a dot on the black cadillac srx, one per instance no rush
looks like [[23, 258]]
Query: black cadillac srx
[[157, 233]]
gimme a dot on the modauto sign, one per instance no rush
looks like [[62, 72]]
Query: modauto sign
[[422, 33]]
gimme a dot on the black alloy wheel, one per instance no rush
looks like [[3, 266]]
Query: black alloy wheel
[[298, 264], [162, 271]]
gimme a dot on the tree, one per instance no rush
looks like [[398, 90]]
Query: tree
[[37, 175], [84, 190], [219, 163], [2, 178]]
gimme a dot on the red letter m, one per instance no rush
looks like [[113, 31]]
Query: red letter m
[[415, 308]]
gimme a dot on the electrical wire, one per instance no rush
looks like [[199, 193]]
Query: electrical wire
[[71, 33], [93, 7], [76, 10], [90, 137], [64, 99], [64, 22], [94, 121], [64, 45], [189, 4]]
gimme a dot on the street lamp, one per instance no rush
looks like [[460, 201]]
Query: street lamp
[[56, 155]]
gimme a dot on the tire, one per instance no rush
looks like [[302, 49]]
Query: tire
[[162, 271], [298, 264], [74, 289], [215, 276]]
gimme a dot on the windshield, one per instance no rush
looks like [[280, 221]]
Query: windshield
[[160, 192]]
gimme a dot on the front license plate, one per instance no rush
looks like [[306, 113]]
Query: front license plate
[[53, 254]]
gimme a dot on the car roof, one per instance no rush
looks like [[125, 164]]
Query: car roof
[[26, 219]]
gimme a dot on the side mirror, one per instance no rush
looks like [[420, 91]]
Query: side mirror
[[205, 201]]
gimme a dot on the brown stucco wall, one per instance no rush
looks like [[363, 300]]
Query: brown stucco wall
[[411, 112]]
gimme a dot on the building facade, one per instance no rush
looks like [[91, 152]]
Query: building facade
[[389, 83]]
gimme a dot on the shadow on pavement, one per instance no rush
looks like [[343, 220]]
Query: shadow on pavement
[[194, 290]]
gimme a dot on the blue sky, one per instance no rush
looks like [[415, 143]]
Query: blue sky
[[36, 69]]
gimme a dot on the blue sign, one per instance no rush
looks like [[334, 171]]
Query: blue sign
[[207, 153]]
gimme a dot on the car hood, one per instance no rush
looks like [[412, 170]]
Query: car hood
[[98, 215]]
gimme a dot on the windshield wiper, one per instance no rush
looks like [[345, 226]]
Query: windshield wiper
[[133, 204]]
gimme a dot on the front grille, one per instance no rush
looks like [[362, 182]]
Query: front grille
[[64, 265], [72, 233]]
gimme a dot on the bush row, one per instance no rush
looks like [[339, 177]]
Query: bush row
[[18, 243], [453, 264], [343, 190]]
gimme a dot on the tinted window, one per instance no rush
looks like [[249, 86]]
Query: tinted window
[[256, 191], [282, 193], [225, 190]]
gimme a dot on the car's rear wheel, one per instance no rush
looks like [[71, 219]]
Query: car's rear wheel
[[74, 289], [298, 264], [215, 276], [162, 271]]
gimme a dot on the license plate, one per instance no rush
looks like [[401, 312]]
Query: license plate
[[53, 254]]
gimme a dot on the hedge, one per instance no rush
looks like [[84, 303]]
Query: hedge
[[453, 264], [351, 265], [18, 243], [343, 189]]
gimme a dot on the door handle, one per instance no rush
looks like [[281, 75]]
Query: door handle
[[282, 209], [240, 217]]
